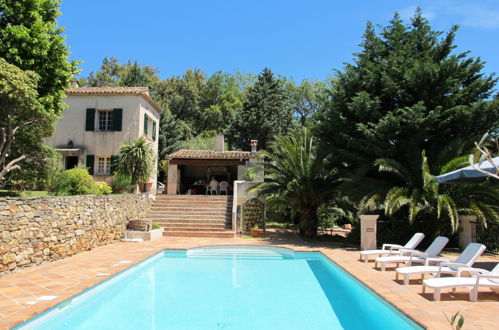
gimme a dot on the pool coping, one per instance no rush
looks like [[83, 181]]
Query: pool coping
[[106, 280], [142, 251]]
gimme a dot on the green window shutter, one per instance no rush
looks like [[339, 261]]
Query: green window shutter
[[154, 130], [117, 119], [145, 124], [90, 120], [90, 164], [114, 164]]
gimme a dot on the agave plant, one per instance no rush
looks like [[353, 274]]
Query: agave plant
[[295, 176]]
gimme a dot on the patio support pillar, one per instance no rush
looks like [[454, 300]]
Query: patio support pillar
[[368, 232], [172, 179], [467, 230]]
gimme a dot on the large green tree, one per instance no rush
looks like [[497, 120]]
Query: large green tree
[[109, 74], [137, 75], [31, 39], [407, 91], [20, 111], [265, 113], [221, 100], [182, 95], [113, 73], [306, 99]]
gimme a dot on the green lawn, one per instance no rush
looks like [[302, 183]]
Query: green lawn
[[27, 193]]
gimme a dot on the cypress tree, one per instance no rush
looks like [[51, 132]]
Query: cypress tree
[[407, 91], [265, 113]]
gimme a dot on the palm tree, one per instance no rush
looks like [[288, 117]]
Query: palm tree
[[135, 160], [415, 193], [295, 176]]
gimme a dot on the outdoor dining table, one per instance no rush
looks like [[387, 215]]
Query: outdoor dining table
[[199, 188]]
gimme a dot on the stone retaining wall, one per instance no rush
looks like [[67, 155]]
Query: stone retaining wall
[[35, 230]]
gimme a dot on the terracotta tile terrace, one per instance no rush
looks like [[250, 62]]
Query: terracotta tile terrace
[[30, 292]]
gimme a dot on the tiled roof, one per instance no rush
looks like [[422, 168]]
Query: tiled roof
[[211, 154], [104, 91]]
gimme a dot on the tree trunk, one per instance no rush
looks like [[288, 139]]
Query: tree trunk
[[308, 223]]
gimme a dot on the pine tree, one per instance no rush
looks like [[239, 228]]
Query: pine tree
[[135, 76], [406, 92], [265, 113]]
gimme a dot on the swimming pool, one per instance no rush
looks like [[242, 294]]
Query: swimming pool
[[227, 287]]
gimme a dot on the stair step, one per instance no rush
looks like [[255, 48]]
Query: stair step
[[194, 229], [173, 209], [191, 213], [184, 218], [225, 234], [195, 226], [193, 221], [208, 197], [190, 205]]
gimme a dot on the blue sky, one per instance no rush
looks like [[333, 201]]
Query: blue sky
[[294, 38]]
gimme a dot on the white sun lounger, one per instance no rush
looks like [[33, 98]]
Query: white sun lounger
[[481, 278], [465, 259], [392, 248], [410, 256]]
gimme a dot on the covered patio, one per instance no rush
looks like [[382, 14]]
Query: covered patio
[[190, 171]]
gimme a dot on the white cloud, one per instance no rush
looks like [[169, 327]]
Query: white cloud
[[408, 12], [474, 13]]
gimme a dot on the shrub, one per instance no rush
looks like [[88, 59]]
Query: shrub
[[155, 225], [58, 183], [250, 174], [122, 182], [104, 188], [76, 181]]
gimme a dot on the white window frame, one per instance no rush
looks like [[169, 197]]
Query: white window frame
[[103, 168], [108, 120]]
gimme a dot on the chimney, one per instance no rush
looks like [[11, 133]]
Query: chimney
[[74, 83], [219, 143], [254, 143]]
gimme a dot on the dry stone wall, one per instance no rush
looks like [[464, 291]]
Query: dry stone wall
[[35, 230]]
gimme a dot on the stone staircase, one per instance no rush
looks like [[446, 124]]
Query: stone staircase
[[193, 215]]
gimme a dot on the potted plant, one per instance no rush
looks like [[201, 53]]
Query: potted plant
[[256, 231]]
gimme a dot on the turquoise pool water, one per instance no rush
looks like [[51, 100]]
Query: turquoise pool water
[[228, 288]]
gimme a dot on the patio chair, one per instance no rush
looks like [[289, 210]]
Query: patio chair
[[222, 187], [465, 259], [410, 256], [480, 278], [212, 189], [392, 248]]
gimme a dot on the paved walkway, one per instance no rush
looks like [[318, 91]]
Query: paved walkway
[[27, 293]]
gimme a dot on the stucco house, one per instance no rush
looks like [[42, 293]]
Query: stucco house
[[98, 120]]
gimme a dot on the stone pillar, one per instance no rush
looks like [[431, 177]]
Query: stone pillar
[[467, 230], [172, 179], [368, 232]]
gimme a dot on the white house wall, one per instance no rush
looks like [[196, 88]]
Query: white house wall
[[71, 127]]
